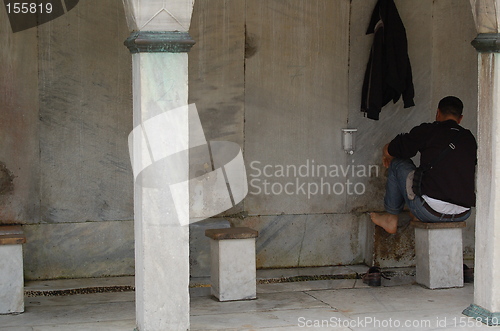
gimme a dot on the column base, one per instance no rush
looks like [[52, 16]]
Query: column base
[[483, 315]]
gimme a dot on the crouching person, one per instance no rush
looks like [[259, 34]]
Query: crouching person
[[448, 157]]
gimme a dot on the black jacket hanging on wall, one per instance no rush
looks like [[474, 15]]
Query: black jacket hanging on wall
[[388, 74]]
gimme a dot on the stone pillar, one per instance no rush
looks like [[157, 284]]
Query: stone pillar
[[159, 45], [486, 304]]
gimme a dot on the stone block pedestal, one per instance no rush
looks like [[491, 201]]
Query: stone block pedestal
[[233, 266], [439, 256], [11, 270]]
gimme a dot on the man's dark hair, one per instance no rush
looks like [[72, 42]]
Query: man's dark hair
[[451, 106]]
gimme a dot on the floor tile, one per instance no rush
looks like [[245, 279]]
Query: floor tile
[[60, 315], [400, 298], [102, 326], [238, 321], [358, 300], [292, 319], [264, 302], [403, 298], [340, 304], [312, 318]]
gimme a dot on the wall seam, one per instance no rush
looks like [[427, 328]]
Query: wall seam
[[244, 87], [38, 211], [346, 205]]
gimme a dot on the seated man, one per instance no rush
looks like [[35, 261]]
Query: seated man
[[448, 191]]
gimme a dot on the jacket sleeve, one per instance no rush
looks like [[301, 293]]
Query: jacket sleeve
[[388, 74], [409, 91], [407, 145]]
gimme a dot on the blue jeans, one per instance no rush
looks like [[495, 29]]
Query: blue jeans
[[396, 196]]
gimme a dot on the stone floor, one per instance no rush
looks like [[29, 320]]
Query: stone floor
[[287, 300]]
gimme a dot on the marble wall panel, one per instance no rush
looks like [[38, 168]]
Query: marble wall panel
[[296, 99], [78, 250], [306, 240], [217, 70], [85, 115], [19, 152], [216, 67], [454, 58]]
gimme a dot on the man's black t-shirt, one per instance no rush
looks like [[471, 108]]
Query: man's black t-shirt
[[452, 179]]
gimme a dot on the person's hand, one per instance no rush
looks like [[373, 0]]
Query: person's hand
[[386, 160], [386, 157]]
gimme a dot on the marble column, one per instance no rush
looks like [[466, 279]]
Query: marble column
[[486, 306], [159, 45]]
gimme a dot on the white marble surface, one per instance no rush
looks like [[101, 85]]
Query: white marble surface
[[296, 103], [439, 257], [271, 311], [306, 240], [233, 273], [487, 269], [11, 279], [90, 249], [161, 243], [486, 13], [159, 15]]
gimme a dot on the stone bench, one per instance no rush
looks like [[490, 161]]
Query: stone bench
[[11, 269], [439, 254], [233, 266]]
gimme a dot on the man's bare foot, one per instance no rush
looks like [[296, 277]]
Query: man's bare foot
[[388, 222]]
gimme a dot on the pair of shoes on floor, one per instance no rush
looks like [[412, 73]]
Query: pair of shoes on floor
[[373, 277], [468, 274]]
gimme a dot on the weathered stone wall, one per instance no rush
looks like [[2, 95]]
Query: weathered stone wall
[[19, 153], [67, 112], [304, 67], [281, 78]]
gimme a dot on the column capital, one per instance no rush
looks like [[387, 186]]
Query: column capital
[[487, 43], [159, 42]]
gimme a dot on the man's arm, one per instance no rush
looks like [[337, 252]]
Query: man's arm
[[386, 157]]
